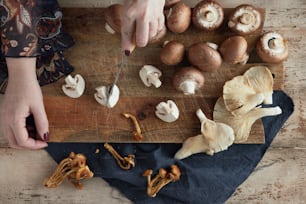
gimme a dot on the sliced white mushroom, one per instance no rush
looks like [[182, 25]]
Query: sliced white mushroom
[[167, 111], [74, 87], [150, 75], [103, 96]]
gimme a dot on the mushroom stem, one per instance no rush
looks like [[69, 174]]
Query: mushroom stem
[[109, 29], [188, 87], [137, 133], [247, 19], [124, 162], [70, 82], [153, 78], [275, 43], [209, 16], [201, 115]]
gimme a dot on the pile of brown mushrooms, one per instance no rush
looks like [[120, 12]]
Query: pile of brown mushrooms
[[73, 168]]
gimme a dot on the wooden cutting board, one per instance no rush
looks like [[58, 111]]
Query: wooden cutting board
[[95, 56]]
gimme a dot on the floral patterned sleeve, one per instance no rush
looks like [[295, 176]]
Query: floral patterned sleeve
[[33, 28]]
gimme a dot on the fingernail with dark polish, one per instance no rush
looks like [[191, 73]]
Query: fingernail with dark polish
[[127, 52], [46, 137]]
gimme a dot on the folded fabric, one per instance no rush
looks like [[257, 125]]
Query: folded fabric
[[204, 179]]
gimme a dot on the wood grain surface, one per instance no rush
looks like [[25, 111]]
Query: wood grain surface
[[95, 56]]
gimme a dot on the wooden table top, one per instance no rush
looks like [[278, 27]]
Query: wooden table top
[[278, 178]]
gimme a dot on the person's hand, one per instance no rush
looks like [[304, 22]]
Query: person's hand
[[22, 98], [141, 19]]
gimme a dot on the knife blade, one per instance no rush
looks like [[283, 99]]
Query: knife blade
[[120, 67]]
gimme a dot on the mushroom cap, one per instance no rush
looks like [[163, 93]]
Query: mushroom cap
[[103, 97], [245, 19], [241, 124], [234, 50], [261, 80], [239, 96], [159, 35], [112, 16], [204, 57], [207, 15], [272, 47], [188, 74], [178, 17], [172, 53]]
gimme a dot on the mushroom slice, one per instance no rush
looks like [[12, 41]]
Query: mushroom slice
[[188, 80], [149, 75], [239, 96], [272, 47], [261, 80], [172, 52], [103, 96], [112, 16], [234, 50], [74, 87], [167, 111], [205, 56], [178, 17], [207, 15], [215, 137], [241, 124], [245, 19]]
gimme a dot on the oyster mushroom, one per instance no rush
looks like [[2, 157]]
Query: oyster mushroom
[[172, 53], [205, 56], [207, 15], [241, 124], [167, 111], [188, 80], [272, 47], [239, 96], [178, 17], [104, 98], [149, 75], [214, 137], [74, 86], [112, 17], [245, 19], [261, 80], [234, 50]]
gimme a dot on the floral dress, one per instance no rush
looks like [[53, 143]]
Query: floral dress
[[33, 28]]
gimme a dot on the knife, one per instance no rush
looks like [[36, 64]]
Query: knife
[[120, 67]]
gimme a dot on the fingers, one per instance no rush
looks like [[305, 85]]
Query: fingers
[[11, 139], [127, 31], [41, 122], [142, 33], [23, 140]]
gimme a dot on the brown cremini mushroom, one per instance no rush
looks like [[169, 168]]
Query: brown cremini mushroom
[[272, 47], [172, 53], [205, 56], [234, 50], [245, 19], [178, 17], [207, 15], [112, 16], [188, 80]]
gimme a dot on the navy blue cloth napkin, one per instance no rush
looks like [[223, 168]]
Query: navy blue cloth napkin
[[204, 179]]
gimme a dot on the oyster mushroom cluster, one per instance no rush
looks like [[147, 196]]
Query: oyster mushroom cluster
[[242, 95]]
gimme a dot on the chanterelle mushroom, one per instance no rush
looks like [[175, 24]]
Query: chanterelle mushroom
[[261, 80], [150, 75], [188, 80], [241, 124], [245, 19], [167, 111], [74, 86], [112, 16], [207, 15], [205, 56], [272, 47], [234, 50], [215, 137], [178, 17], [239, 96], [103, 96]]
